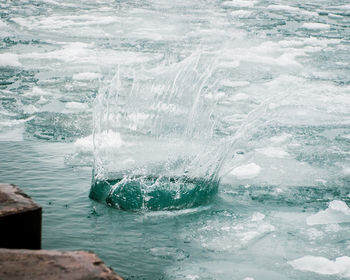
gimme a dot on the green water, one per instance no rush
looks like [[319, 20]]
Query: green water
[[154, 193], [227, 238]]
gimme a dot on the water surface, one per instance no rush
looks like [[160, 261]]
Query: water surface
[[281, 83]]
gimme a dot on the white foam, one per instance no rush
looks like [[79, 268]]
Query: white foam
[[105, 140], [247, 171], [315, 26], [337, 212], [86, 76], [320, 265], [137, 119], [9, 59], [273, 152]]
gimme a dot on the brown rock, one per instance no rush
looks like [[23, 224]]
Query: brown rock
[[53, 265], [20, 219]]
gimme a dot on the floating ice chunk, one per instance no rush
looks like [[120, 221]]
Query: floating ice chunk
[[86, 76], [247, 171], [36, 91], [346, 171], [339, 267], [214, 96], [241, 13], [315, 25], [283, 8], [239, 3], [230, 234], [76, 106], [258, 217], [9, 59], [42, 100], [337, 212], [192, 277], [229, 83], [314, 233], [29, 109], [308, 13], [280, 138], [87, 53], [2, 24], [248, 278], [239, 96], [273, 152], [288, 59], [344, 7]]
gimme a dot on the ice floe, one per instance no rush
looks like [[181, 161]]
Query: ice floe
[[320, 265], [86, 76], [9, 59], [315, 25], [337, 212], [239, 3], [247, 171], [273, 152]]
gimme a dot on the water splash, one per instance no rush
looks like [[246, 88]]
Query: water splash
[[157, 137]]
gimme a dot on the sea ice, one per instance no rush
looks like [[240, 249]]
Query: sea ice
[[283, 8], [315, 25], [273, 152], [2, 24], [241, 13], [337, 212], [239, 3], [281, 138], [76, 106], [339, 267], [9, 59], [247, 171], [86, 76]]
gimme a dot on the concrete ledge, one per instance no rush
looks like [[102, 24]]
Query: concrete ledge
[[52, 265], [20, 219]]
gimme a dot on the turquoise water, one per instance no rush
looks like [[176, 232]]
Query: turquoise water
[[277, 91], [154, 192]]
